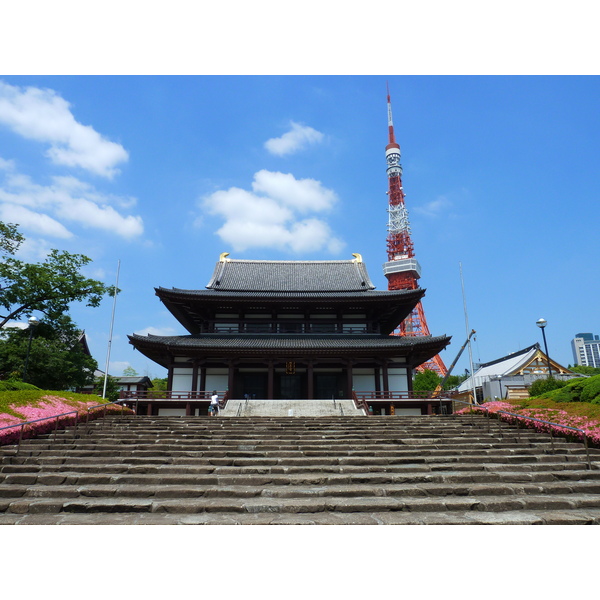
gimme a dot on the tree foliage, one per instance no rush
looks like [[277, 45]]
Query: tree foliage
[[129, 372], [113, 390], [48, 287], [425, 381], [57, 358], [159, 383], [10, 238]]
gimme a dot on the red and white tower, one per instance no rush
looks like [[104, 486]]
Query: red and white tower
[[402, 269]]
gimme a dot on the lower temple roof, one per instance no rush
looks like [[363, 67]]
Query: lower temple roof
[[417, 349]]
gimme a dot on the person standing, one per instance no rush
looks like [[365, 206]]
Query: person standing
[[214, 404]]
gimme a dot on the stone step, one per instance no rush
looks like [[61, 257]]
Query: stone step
[[10, 493], [28, 480], [257, 450], [587, 516], [564, 470], [298, 470], [415, 504]]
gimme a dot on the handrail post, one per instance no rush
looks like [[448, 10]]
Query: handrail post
[[587, 450], [20, 438], [55, 427]]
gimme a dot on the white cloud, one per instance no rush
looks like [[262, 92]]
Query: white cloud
[[42, 115], [28, 219], [116, 367], [43, 209], [268, 217], [7, 165], [303, 195], [294, 140], [435, 208], [157, 331]]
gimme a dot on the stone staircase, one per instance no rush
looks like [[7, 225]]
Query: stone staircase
[[291, 408], [302, 470]]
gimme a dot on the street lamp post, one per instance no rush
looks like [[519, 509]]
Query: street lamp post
[[499, 378], [541, 323], [33, 323]]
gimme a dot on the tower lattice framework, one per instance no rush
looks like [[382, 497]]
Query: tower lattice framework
[[402, 269]]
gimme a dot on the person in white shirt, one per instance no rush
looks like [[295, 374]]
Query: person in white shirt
[[214, 404]]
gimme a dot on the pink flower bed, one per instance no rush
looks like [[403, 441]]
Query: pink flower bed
[[524, 416], [48, 407]]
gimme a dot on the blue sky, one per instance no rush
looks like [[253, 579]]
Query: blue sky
[[166, 172]]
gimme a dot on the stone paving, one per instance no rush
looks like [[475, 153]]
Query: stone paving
[[298, 471]]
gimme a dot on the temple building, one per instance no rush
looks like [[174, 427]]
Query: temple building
[[289, 330], [511, 376]]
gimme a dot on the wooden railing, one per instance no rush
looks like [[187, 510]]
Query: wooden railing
[[387, 396], [168, 395], [361, 403]]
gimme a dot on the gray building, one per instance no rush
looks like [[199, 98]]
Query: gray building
[[586, 349]]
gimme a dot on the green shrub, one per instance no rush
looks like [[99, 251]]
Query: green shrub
[[11, 385], [575, 388], [591, 390], [559, 395], [586, 389], [542, 386]]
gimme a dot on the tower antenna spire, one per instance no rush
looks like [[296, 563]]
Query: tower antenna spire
[[402, 269]]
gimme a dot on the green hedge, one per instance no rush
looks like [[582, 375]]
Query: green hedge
[[577, 390], [11, 386]]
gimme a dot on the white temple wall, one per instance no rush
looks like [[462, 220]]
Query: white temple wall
[[397, 379], [182, 379], [363, 380], [217, 379]]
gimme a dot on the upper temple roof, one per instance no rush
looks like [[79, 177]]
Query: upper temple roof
[[290, 276]]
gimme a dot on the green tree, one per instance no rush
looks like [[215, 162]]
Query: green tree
[[112, 388], [129, 372], [159, 383], [48, 287], [454, 381], [425, 381], [57, 359], [10, 238]]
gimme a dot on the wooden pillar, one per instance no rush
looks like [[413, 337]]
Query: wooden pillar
[[386, 381], [349, 379], [203, 378], [188, 409], [231, 377], [270, 380], [170, 377], [310, 388], [194, 376], [377, 379]]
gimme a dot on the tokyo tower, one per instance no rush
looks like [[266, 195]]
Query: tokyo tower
[[403, 269]]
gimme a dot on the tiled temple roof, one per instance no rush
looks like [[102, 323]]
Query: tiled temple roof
[[249, 344], [290, 276]]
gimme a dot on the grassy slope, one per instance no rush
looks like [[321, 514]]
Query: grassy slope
[[33, 397], [580, 409]]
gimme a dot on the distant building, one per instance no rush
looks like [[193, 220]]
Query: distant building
[[510, 376], [586, 349]]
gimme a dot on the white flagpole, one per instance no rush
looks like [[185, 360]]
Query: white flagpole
[[462, 283], [112, 322]]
